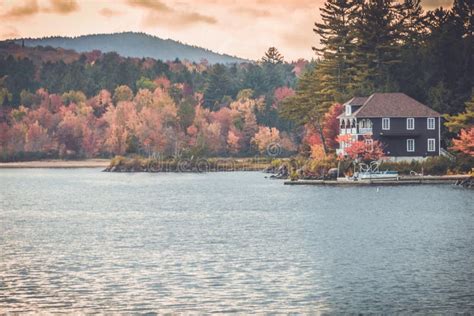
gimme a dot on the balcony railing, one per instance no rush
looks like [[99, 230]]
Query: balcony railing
[[356, 131], [365, 130]]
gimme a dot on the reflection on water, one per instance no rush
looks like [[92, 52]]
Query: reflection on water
[[86, 241]]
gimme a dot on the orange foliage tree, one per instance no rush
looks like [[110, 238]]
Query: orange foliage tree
[[465, 142], [265, 137]]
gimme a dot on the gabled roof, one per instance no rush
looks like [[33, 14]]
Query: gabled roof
[[393, 105], [356, 101]]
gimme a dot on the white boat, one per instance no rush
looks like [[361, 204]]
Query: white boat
[[378, 175], [371, 172]]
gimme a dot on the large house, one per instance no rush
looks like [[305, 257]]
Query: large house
[[408, 129]]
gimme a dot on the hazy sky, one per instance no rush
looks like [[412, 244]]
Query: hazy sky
[[245, 28]]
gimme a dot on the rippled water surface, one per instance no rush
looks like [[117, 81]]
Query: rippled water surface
[[87, 241]]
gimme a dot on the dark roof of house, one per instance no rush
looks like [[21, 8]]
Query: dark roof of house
[[393, 105], [356, 101]]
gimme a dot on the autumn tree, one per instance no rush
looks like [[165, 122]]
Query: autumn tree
[[122, 93], [122, 122], [365, 150], [465, 142], [234, 137], [331, 126], [37, 138], [280, 94], [265, 137]]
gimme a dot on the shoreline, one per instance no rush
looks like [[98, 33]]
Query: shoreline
[[56, 164], [403, 180]]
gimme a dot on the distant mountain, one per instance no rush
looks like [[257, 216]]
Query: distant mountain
[[131, 44]]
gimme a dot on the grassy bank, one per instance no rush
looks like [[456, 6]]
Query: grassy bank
[[142, 164]]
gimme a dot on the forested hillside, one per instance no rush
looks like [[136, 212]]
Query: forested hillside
[[131, 44], [59, 103]]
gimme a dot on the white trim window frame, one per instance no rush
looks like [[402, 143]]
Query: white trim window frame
[[431, 145], [348, 110], [430, 123], [410, 145], [386, 123], [410, 123]]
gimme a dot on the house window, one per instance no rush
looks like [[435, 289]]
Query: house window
[[410, 145], [431, 123], [386, 123], [431, 144], [348, 110], [410, 123]]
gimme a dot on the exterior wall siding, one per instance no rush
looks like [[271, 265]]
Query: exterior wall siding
[[395, 139]]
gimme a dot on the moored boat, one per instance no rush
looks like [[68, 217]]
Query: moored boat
[[377, 175]]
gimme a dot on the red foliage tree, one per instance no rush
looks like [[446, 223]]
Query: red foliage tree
[[331, 125], [365, 150], [465, 142], [281, 94]]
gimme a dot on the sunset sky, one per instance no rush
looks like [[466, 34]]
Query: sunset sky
[[245, 28]]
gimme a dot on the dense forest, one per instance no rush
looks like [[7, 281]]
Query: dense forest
[[59, 103], [62, 103]]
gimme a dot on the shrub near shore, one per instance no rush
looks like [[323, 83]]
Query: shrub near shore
[[307, 168], [432, 166]]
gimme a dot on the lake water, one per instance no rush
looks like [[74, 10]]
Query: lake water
[[87, 241]]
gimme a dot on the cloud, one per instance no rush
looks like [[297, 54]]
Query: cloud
[[159, 13], [29, 7], [258, 13], [110, 12], [195, 17], [63, 6], [154, 5], [179, 20]]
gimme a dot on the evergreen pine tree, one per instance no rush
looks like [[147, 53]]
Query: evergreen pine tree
[[377, 45], [218, 86], [272, 56], [336, 38]]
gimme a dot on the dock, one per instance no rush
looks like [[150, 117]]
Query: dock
[[403, 180]]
